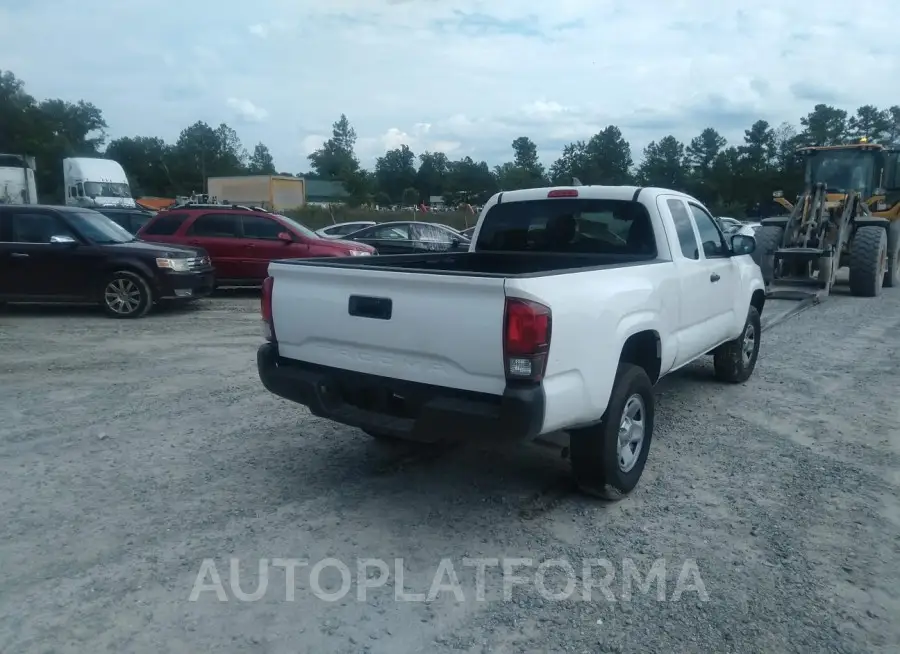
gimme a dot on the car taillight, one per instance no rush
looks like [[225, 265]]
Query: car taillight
[[526, 339], [265, 309]]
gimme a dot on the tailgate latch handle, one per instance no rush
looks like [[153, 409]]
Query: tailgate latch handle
[[377, 308]]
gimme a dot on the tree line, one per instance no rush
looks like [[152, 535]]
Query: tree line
[[732, 178]]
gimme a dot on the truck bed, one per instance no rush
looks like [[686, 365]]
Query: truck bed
[[481, 264]]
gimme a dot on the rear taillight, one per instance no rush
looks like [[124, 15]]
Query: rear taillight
[[265, 309], [526, 339]]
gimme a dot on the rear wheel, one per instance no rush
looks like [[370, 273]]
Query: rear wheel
[[868, 261], [768, 239], [608, 458], [126, 295]]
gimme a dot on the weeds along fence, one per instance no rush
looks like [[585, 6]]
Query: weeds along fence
[[318, 217]]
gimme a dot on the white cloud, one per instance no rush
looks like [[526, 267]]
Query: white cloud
[[247, 111], [477, 74]]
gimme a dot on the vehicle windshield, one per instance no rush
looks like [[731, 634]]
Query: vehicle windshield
[[302, 229], [106, 190], [842, 170], [571, 226], [99, 229]]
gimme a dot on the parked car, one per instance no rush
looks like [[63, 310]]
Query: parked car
[[343, 229], [74, 254], [545, 325], [131, 219], [407, 237], [242, 242]]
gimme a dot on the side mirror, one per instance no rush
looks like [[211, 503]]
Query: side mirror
[[285, 237], [742, 244], [455, 243], [63, 240]]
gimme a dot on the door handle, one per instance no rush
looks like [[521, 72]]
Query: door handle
[[714, 278], [19, 255]]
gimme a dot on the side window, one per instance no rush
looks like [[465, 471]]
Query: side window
[[391, 233], [217, 225], [432, 234], [261, 228], [37, 228], [684, 228], [166, 224], [710, 236]]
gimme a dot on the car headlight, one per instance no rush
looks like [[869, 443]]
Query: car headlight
[[175, 265], [359, 253]]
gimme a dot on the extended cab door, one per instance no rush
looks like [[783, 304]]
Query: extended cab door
[[698, 316], [724, 276]]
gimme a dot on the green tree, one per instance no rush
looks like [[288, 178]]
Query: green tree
[[892, 134], [144, 159], [202, 152], [704, 149], [604, 159], [409, 197], [261, 161], [395, 172], [759, 149], [824, 125], [432, 174], [469, 182], [664, 164], [870, 123], [336, 161]]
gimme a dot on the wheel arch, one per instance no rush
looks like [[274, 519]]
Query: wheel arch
[[644, 349]]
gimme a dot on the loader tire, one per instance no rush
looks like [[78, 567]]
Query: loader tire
[[768, 239], [735, 360], [892, 276], [868, 261], [600, 464]]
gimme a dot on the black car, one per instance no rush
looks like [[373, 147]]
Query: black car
[[131, 219], [72, 254], [410, 237]]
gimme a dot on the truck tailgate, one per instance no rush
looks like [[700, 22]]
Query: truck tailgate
[[444, 330]]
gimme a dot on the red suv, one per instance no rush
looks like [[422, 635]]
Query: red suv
[[241, 242]]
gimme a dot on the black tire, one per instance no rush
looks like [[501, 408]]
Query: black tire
[[126, 294], [768, 239], [892, 276], [868, 261], [595, 451], [735, 360]]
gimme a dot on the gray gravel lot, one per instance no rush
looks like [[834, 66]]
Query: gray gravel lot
[[132, 451]]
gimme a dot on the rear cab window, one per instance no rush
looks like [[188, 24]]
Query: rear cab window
[[569, 226]]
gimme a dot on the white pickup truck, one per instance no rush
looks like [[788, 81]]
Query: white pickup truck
[[570, 304]]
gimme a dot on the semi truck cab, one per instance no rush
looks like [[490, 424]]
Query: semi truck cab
[[95, 183]]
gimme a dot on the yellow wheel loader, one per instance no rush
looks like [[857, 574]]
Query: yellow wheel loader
[[847, 216]]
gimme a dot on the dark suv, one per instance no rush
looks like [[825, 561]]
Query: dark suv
[[130, 219], [72, 254]]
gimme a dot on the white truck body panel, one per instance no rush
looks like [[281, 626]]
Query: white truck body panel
[[447, 330], [17, 184], [94, 182]]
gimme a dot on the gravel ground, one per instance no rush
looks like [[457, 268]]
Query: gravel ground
[[134, 451]]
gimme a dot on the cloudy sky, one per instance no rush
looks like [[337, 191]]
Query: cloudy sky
[[462, 76]]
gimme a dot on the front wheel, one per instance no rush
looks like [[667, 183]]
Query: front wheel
[[892, 276], [868, 261], [608, 458], [735, 360], [126, 295]]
